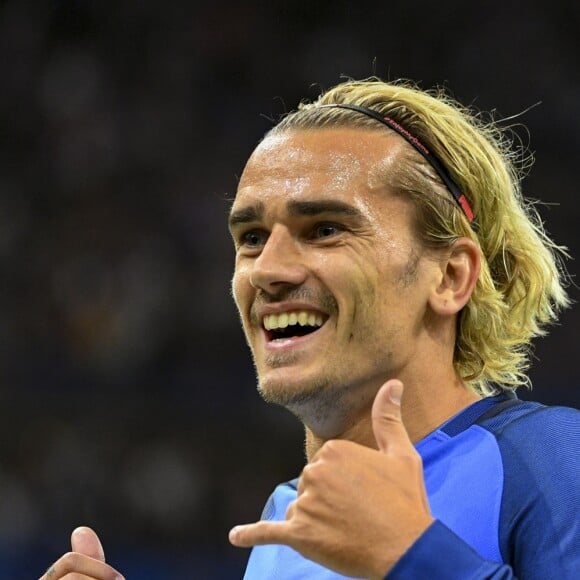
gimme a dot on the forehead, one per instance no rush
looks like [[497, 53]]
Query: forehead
[[329, 162]]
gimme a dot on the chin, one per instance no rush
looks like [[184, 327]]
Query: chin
[[281, 392], [296, 394]]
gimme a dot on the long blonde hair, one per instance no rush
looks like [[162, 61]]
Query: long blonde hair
[[521, 285]]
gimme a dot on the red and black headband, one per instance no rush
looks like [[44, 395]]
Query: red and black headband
[[420, 147]]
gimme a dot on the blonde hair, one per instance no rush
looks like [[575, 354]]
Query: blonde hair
[[521, 285]]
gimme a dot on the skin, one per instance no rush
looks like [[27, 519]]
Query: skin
[[85, 561], [390, 305], [316, 229]]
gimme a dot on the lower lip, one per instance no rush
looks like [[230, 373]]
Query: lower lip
[[292, 342]]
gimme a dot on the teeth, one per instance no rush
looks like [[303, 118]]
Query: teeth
[[274, 321]]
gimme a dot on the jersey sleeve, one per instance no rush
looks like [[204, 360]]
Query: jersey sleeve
[[439, 554], [539, 531], [540, 515]]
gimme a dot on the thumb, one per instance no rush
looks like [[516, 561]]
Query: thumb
[[85, 541], [388, 428]]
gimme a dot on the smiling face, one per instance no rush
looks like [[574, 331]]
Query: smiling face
[[330, 280]]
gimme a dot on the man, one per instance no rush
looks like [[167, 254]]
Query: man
[[389, 279]]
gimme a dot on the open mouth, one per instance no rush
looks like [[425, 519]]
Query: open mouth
[[292, 324]]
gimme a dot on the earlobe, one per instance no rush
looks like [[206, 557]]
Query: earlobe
[[459, 273]]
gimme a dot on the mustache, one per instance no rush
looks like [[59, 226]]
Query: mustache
[[316, 298]]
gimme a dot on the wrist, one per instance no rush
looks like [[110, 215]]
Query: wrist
[[388, 556]]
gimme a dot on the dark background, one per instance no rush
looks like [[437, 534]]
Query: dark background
[[127, 395]]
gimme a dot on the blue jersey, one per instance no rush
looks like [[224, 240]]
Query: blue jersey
[[503, 483]]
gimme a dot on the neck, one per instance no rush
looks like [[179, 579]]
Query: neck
[[423, 410]]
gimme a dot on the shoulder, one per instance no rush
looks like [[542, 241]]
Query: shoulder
[[540, 453], [537, 443], [526, 425]]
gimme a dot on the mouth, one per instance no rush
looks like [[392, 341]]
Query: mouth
[[296, 323]]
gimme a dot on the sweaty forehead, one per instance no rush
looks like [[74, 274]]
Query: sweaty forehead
[[324, 160]]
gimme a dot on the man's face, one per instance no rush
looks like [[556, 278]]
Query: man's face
[[330, 279]]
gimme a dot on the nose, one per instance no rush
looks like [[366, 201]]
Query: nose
[[280, 263]]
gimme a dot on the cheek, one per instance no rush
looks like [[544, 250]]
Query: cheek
[[376, 287], [240, 288], [355, 285]]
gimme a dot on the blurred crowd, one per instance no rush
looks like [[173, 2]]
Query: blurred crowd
[[127, 393]]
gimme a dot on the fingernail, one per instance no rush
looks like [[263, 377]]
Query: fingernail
[[395, 393]]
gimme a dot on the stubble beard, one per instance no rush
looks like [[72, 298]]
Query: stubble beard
[[326, 396], [318, 396], [313, 401]]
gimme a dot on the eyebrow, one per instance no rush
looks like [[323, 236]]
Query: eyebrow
[[313, 208], [254, 213], [246, 215]]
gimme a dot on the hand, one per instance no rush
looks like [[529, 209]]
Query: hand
[[358, 509], [85, 562]]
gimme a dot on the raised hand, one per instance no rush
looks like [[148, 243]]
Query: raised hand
[[358, 509], [86, 561]]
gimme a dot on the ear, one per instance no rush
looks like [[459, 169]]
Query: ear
[[459, 272]]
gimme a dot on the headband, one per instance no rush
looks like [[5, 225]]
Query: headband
[[430, 157]]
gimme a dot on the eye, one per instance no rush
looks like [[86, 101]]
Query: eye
[[327, 230], [253, 239]]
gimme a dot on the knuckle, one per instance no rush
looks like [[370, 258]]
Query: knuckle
[[291, 510], [331, 447], [412, 460], [311, 476], [389, 419], [68, 562], [308, 474], [331, 450]]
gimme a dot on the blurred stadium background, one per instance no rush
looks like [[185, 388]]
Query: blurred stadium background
[[127, 394]]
